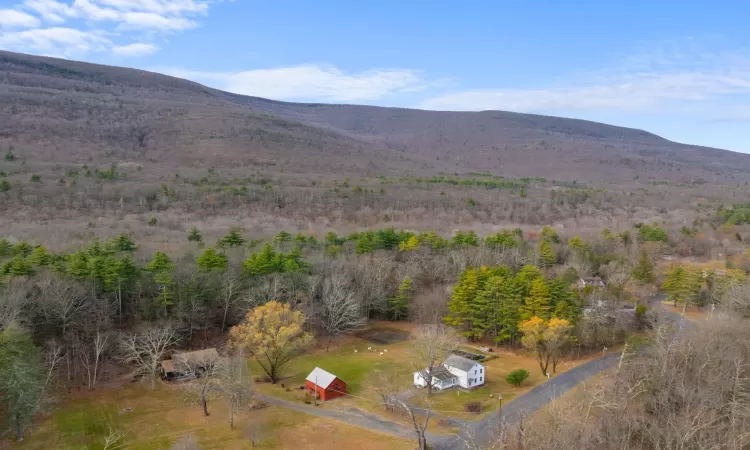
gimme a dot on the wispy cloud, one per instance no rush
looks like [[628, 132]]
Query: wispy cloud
[[135, 49], [672, 76], [58, 41], [53, 25], [11, 18], [311, 82]]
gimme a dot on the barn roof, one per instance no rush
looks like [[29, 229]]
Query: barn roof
[[459, 362], [321, 378]]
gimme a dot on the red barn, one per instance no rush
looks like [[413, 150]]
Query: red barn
[[327, 385]]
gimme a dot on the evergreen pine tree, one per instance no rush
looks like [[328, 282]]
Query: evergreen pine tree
[[644, 270], [462, 301], [194, 235], [547, 257], [5, 248], [124, 243], [210, 260], [39, 256], [22, 248], [282, 238], [538, 302], [233, 239], [19, 266], [399, 304], [510, 304], [526, 276], [409, 245], [161, 267], [264, 262]]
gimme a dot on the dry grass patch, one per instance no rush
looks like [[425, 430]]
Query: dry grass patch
[[690, 312], [156, 419]]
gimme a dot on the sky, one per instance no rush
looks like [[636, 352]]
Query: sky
[[680, 69]]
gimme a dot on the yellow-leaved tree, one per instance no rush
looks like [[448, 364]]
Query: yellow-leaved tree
[[273, 335], [545, 339]]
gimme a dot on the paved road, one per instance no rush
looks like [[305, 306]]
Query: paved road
[[352, 416], [531, 402], [540, 396], [528, 403]]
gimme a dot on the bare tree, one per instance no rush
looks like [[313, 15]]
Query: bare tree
[[386, 386], [433, 344], [341, 311], [90, 358], [413, 412], [254, 432], [235, 382], [62, 302], [13, 299], [687, 389], [231, 287], [205, 384], [113, 439], [146, 347]]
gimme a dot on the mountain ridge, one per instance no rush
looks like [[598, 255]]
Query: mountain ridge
[[81, 109]]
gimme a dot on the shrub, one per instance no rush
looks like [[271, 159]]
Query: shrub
[[36, 178], [640, 311], [152, 221], [517, 377], [473, 407]]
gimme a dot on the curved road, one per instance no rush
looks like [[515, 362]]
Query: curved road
[[526, 404]]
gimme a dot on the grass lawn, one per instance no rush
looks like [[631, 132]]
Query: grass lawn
[[342, 361], [355, 368], [155, 420], [453, 401]]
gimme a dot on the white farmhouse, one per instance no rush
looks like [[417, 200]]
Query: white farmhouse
[[455, 371]]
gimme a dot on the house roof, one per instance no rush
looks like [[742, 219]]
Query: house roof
[[167, 365], [439, 372], [592, 279], [442, 374], [460, 363], [321, 378], [186, 361]]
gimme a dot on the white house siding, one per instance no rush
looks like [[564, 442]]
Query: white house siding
[[463, 377], [476, 376]]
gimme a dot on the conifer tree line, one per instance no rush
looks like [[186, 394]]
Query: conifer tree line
[[492, 302]]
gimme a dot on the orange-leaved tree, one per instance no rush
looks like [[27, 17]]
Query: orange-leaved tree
[[273, 334]]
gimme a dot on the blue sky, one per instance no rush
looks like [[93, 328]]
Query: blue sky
[[680, 69]]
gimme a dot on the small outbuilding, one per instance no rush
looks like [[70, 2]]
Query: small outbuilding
[[594, 282], [327, 385], [189, 364]]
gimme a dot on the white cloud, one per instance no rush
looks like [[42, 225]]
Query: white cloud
[[10, 18], [50, 10], [118, 19], [695, 76], [65, 42], [638, 92], [153, 21], [311, 82], [135, 49]]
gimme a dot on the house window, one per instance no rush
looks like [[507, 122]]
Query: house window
[[480, 370]]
